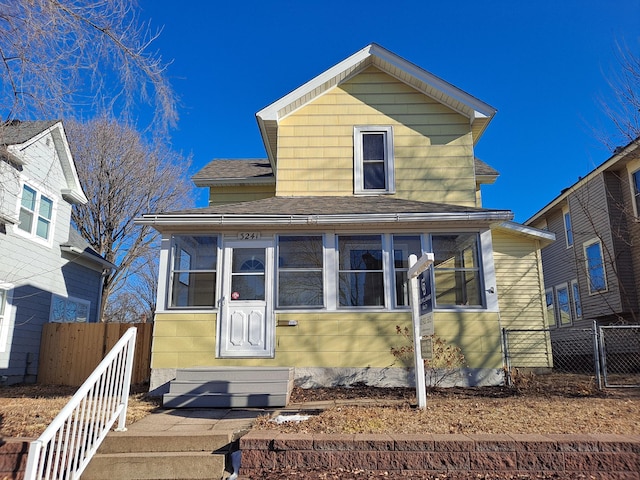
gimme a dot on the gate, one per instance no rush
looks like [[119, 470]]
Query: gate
[[620, 355]]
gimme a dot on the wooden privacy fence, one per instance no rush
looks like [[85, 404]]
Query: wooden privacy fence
[[69, 352]]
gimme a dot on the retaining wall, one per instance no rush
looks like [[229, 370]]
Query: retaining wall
[[13, 458], [611, 457]]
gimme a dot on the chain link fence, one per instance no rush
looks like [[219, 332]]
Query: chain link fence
[[610, 353]]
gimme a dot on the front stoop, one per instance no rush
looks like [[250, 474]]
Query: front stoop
[[124, 456], [230, 387]]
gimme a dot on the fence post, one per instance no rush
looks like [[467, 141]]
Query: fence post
[[597, 345], [507, 362]]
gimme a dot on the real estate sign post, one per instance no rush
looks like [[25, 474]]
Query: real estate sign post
[[422, 313]]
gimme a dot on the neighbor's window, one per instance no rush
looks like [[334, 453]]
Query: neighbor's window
[[575, 295], [403, 246], [636, 190], [300, 271], [68, 310], [36, 212], [564, 309], [595, 266], [360, 271], [373, 160], [193, 271], [551, 314], [457, 270], [567, 228]]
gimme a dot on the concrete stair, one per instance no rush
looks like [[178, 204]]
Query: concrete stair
[[230, 387], [160, 456]]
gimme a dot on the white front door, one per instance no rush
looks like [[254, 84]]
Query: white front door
[[246, 318]]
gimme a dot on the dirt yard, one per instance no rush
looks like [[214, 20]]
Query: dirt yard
[[538, 404]]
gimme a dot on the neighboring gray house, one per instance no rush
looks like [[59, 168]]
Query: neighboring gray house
[[592, 271], [48, 273]]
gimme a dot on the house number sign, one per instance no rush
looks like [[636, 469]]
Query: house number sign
[[248, 235]]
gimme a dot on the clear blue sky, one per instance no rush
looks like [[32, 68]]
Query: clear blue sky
[[542, 64]]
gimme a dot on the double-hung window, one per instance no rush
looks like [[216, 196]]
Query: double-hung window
[[373, 159], [193, 271], [564, 307], [360, 271], [69, 310], [457, 270], [36, 213], [575, 296], [567, 228], [635, 177], [300, 268], [551, 312], [596, 275]]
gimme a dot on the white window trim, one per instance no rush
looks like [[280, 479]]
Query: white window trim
[[563, 286], [54, 208], [82, 301], [550, 310], [6, 317], [389, 161], [574, 303], [565, 213], [632, 168], [585, 245]]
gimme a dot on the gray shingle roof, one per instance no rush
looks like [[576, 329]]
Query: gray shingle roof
[[239, 169], [16, 131], [329, 206], [253, 168]]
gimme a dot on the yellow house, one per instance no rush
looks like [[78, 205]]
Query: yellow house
[[300, 259]]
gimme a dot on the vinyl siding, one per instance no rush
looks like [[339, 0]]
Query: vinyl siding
[[433, 144], [519, 278], [239, 193], [633, 224], [326, 339]]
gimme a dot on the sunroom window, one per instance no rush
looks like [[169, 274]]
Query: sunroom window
[[403, 246], [564, 307], [360, 271], [193, 271], [457, 270], [300, 265]]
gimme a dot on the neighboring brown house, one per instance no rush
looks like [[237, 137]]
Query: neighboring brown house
[[592, 271]]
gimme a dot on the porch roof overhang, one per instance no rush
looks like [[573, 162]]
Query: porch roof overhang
[[336, 211]]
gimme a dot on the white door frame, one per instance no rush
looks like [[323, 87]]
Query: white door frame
[[254, 308]]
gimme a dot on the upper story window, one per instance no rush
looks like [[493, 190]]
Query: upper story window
[[36, 213], [300, 267], [373, 160], [69, 309], [567, 228], [636, 191], [193, 271], [457, 270], [596, 276]]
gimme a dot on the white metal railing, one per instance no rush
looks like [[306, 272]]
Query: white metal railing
[[65, 448]]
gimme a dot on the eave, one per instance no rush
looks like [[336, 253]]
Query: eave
[[478, 112]]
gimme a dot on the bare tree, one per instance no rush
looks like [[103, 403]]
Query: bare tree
[[124, 177], [58, 56]]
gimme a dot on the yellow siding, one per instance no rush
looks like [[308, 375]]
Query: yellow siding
[[239, 193], [521, 297], [433, 144], [336, 339]]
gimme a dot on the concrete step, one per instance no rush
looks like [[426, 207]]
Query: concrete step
[[197, 387], [156, 465], [234, 374], [121, 442], [225, 400]]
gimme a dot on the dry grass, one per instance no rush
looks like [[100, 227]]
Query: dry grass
[[553, 404], [26, 410]]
